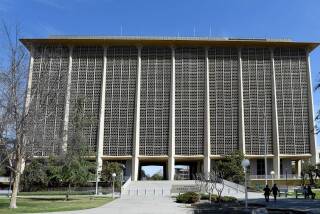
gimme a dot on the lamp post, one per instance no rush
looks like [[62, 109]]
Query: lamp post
[[272, 174], [97, 181], [113, 178], [245, 163], [287, 177]]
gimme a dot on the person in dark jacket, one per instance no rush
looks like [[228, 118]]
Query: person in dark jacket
[[275, 191], [267, 191], [310, 193]]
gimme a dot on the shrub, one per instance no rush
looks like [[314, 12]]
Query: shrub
[[228, 199], [188, 197], [204, 196], [223, 199]]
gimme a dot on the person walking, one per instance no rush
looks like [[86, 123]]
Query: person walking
[[305, 192], [310, 193], [267, 191], [275, 191]]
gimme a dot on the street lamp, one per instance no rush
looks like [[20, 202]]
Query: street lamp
[[245, 163], [272, 173], [287, 177], [113, 178]]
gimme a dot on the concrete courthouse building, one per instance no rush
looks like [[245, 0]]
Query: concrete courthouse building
[[175, 101]]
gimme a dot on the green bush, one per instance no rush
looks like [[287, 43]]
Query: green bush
[[188, 197], [317, 184], [223, 199], [204, 196], [228, 199]]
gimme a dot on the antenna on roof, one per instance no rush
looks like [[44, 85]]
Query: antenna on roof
[[194, 31], [210, 31], [121, 30]]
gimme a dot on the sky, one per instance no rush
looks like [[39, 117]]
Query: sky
[[298, 20]]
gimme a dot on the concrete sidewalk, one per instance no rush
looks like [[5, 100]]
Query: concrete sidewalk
[[137, 206]]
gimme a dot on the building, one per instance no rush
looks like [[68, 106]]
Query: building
[[174, 100]]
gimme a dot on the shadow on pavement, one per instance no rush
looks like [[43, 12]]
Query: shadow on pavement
[[282, 206]]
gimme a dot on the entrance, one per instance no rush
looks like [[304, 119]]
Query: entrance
[[185, 170], [152, 171]]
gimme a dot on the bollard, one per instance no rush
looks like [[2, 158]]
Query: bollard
[[154, 191], [145, 191], [137, 192], [162, 191]]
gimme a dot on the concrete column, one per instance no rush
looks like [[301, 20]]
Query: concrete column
[[101, 114], [171, 161], [275, 130], [207, 151], [28, 92], [313, 145], [242, 142], [28, 95], [298, 164], [67, 104], [136, 132]]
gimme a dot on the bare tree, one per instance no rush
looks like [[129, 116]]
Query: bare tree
[[12, 91], [21, 109]]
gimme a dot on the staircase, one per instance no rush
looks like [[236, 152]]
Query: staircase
[[164, 189]]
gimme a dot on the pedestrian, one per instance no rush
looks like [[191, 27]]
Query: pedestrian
[[275, 191], [266, 193], [310, 193], [305, 192]]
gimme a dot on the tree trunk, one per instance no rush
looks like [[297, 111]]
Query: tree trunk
[[68, 192], [16, 181]]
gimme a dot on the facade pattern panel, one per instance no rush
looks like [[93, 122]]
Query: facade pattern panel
[[86, 74], [120, 100], [48, 88], [189, 101], [257, 100], [224, 100], [155, 101], [292, 100]]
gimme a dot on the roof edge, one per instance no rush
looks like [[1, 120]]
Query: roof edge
[[167, 41]]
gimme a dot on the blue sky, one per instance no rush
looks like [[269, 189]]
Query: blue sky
[[295, 19]]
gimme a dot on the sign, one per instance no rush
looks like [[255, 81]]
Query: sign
[[184, 188]]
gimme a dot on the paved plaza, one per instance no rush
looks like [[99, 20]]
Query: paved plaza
[[137, 206], [146, 205]]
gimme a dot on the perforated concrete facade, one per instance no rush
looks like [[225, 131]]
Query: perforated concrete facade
[[172, 99]]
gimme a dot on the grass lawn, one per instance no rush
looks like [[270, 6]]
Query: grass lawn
[[52, 203], [317, 194], [55, 193]]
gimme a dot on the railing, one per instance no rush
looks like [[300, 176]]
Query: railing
[[270, 177], [125, 185], [234, 186]]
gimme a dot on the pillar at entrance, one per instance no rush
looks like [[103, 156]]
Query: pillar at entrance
[[135, 169], [136, 132], [275, 132], [276, 167], [207, 146], [298, 165], [171, 161]]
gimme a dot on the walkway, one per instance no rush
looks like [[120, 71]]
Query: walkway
[[137, 206], [165, 205]]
